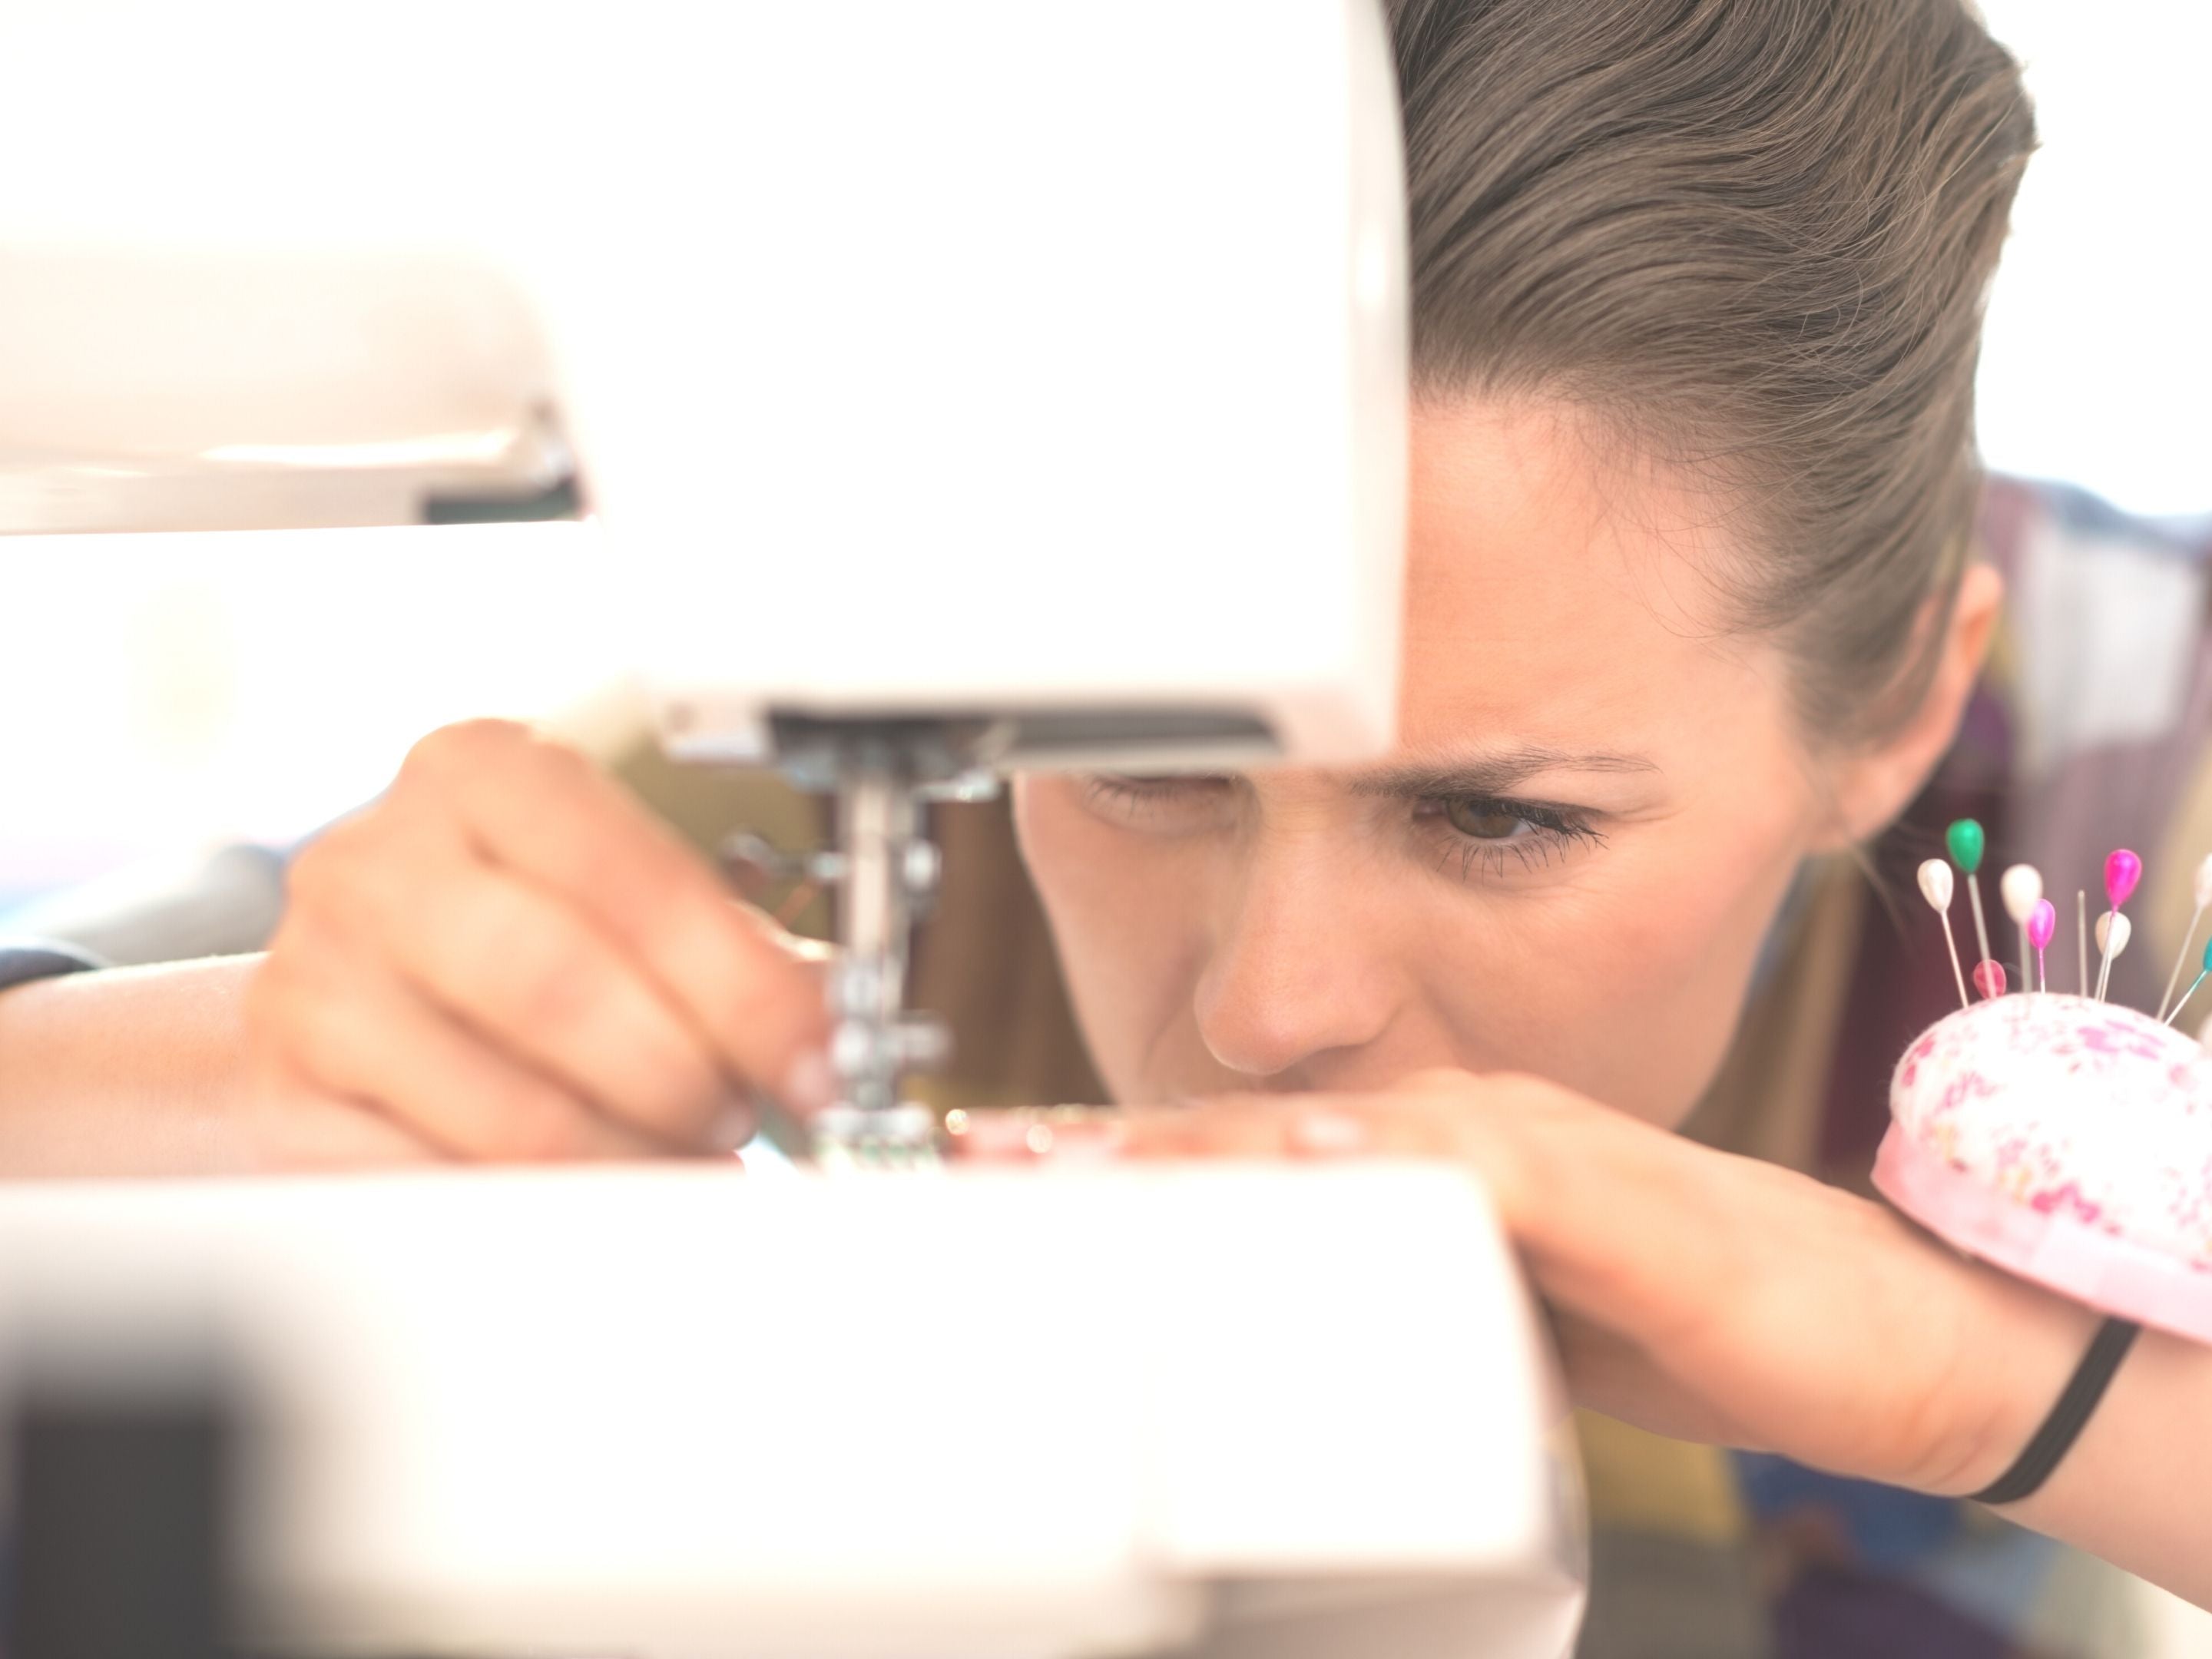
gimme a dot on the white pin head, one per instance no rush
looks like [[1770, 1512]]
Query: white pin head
[[1935, 884], [2203, 885], [2112, 931], [2021, 888]]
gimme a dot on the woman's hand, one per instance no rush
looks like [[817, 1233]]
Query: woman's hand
[[505, 958], [1705, 1296]]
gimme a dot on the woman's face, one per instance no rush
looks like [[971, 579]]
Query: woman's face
[[1566, 867]]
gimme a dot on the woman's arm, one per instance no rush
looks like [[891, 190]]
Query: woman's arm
[[1710, 1296], [503, 957], [2136, 1488], [147, 1071]]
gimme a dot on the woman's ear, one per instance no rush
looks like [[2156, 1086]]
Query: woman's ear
[[1868, 788]]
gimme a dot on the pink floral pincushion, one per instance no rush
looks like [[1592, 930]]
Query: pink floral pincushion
[[2068, 1142]]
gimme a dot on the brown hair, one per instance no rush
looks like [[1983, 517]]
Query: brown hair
[[1759, 231]]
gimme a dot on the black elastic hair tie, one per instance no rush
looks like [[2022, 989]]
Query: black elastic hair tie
[[2065, 1424]]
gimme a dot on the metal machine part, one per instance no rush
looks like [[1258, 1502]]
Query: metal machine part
[[881, 775], [890, 874]]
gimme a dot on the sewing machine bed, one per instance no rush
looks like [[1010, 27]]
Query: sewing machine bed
[[679, 1411]]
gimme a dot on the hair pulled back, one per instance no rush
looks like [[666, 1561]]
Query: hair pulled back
[[1756, 235]]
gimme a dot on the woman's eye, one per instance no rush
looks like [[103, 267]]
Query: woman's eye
[[1485, 820], [1128, 796], [1480, 834]]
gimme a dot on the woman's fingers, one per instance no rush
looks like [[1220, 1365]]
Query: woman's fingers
[[511, 963], [1234, 1126], [528, 965], [296, 1126], [547, 814], [357, 1031]]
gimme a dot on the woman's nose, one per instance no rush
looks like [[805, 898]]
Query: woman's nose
[[1293, 975]]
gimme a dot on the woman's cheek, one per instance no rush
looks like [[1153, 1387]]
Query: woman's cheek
[[1081, 863], [1126, 910], [1662, 990]]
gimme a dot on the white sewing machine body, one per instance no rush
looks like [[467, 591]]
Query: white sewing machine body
[[1047, 361], [1217, 1411]]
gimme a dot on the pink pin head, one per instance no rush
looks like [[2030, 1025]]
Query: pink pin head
[[1990, 979], [2042, 924], [2123, 870]]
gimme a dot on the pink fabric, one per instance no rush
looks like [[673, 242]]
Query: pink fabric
[[2050, 1246]]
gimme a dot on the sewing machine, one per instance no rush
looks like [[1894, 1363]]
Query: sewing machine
[[1049, 364], [961, 1417]]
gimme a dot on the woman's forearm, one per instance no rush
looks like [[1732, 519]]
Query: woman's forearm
[[134, 1072]]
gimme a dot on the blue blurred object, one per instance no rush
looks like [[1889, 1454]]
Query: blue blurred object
[[1891, 1530]]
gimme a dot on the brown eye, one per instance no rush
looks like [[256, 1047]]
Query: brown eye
[[1484, 820]]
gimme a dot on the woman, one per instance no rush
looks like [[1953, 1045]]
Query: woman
[[1697, 292]]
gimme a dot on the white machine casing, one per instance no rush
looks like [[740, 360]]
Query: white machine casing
[[1221, 1412], [973, 356]]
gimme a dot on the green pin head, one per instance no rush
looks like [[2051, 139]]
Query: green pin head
[[1965, 839], [2208, 955]]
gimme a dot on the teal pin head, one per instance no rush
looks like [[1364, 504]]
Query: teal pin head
[[1965, 841]]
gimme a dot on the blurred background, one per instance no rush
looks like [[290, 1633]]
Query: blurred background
[[157, 695], [2097, 361]]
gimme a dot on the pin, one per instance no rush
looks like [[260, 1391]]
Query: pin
[[1936, 888], [1990, 979], [2042, 923], [2204, 896], [1965, 839], [2193, 984], [2081, 939], [2020, 889], [2123, 870], [2114, 930]]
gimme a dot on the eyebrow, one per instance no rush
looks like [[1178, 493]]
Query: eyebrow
[[1487, 774]]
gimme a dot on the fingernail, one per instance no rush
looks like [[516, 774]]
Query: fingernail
[[733, 1126], [811, 1084], [1331, 1133]]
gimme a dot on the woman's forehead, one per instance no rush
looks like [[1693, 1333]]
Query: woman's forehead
[[1559, 592]]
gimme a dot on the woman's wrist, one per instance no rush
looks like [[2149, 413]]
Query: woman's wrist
[[2132, 1488], [2021, 1346]]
